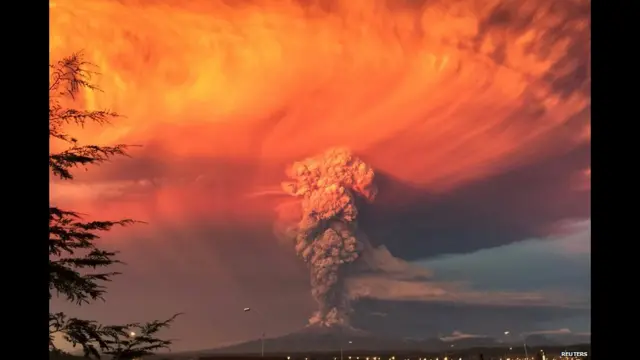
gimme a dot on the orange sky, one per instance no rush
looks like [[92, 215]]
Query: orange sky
[[223, 94], [417, 91]]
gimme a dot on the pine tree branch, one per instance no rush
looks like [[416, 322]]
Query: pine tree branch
[[121, 342], [73, 252]]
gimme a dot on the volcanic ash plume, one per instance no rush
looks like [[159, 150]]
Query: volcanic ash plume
[[324, 238]]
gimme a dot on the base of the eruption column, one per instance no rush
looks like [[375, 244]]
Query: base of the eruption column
[[346, 330], [333, 321], [319, 338]]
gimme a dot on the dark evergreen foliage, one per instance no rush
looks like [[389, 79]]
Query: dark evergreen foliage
[[74, 257]]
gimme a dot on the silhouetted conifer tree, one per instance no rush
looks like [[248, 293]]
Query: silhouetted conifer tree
[[74, 257]]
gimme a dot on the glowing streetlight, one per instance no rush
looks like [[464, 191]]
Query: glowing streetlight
[[248, 309], [524, 343], [341, 350]]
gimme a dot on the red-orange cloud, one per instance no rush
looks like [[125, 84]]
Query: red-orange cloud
[[437, 94], [223, 94]]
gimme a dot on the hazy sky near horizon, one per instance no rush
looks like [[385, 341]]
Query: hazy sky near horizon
[[475, 116]]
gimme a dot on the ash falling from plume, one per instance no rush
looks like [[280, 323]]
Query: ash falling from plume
[[325, 236]]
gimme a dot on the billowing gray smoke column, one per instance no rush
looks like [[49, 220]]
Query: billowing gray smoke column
[[324, 238]]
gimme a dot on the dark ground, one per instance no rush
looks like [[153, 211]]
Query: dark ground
[[467, 354]]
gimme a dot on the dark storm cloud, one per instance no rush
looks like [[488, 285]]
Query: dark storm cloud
[[571, 73], [521, 203], [208, 250], [560, 264], [518, 204]]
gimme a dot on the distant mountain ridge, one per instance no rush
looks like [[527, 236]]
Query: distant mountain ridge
[[332, 339], [538, 340]]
